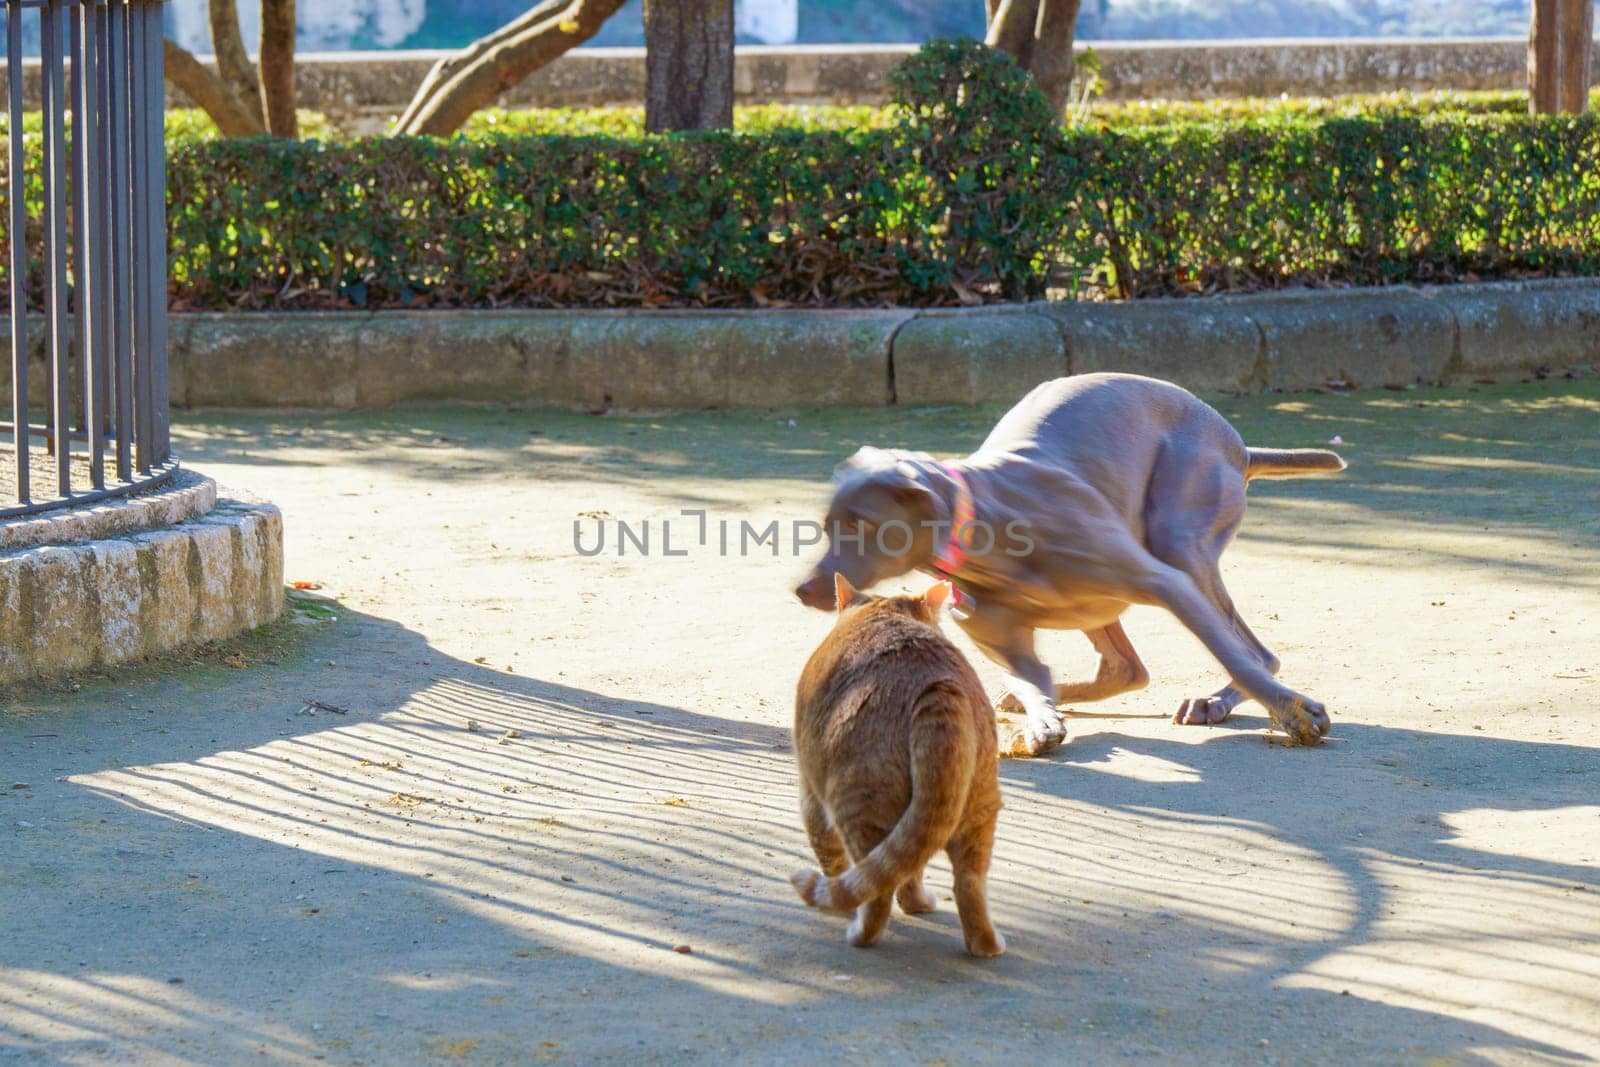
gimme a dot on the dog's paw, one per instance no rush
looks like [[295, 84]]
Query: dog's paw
[[1305, 721], [1202, 711]]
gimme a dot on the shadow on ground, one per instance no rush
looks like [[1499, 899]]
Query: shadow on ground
[[474, 865]]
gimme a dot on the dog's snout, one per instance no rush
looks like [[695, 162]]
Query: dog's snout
[[816, 592]]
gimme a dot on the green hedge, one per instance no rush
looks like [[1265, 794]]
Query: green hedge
[[987, 198]]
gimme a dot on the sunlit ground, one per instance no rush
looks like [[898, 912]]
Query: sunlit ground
[[552, 772]]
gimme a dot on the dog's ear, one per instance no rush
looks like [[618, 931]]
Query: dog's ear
[[865, 458], [906, 485], [844, 594], [937, 595]]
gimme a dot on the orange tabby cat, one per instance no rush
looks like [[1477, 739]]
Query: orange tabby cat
[[896, 745]]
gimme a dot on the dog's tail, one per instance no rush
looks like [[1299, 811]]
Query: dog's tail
[[944, 755], [1291, 462]]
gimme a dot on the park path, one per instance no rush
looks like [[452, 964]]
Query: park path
[[555, 773]]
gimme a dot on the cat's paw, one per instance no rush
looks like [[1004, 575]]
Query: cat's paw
[[986, 945], [915, 900], [859, 936]]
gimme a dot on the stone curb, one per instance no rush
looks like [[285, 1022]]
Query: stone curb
[[789, 357], [1363, 337], [656, 358], [101, 602]]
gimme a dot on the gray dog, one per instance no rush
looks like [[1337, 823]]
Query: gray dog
[[1093, 493]]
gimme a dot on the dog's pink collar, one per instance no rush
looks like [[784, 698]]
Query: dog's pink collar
[[948, 560]]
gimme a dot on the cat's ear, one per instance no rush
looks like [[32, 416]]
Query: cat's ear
[[843, 592], [938, 594]]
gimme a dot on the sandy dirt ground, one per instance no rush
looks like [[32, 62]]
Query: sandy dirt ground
[[555, 821]]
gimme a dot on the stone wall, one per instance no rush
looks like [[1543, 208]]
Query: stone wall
[[362, 89]]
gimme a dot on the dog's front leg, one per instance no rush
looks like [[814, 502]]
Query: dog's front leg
[[1008, 640], [1303, 719]]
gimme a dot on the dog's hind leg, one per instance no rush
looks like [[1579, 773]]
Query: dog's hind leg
[[1120, 671]]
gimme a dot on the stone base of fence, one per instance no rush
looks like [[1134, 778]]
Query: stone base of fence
[[107, 585]]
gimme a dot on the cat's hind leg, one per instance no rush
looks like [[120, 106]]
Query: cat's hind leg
[[871, 919], [969, 860], [825, 840], [915, 900], [872, 916]]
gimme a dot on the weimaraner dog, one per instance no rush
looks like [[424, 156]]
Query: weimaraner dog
[[1093, 493]]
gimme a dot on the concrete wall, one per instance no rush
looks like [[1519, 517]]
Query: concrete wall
[[361, 89]]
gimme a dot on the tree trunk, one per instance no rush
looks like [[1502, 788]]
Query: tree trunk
[[208, 92], [1544, 58], [1052, 51], [277, 67], [232, 62], [1577, 44], [688, 65], [1038, 35], [489, 67]]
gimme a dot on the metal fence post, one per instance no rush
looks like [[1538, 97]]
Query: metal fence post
[[97, 237]]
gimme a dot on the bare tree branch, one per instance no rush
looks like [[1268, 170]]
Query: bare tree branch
[[1038, 35], [209, 92], [277, 67], [478, 81], [451, 65], [232, 62], [1011, 30]]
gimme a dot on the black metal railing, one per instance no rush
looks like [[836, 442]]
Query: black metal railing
[[85, 236]]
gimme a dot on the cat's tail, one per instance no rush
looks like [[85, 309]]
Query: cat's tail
[[944, 753]]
